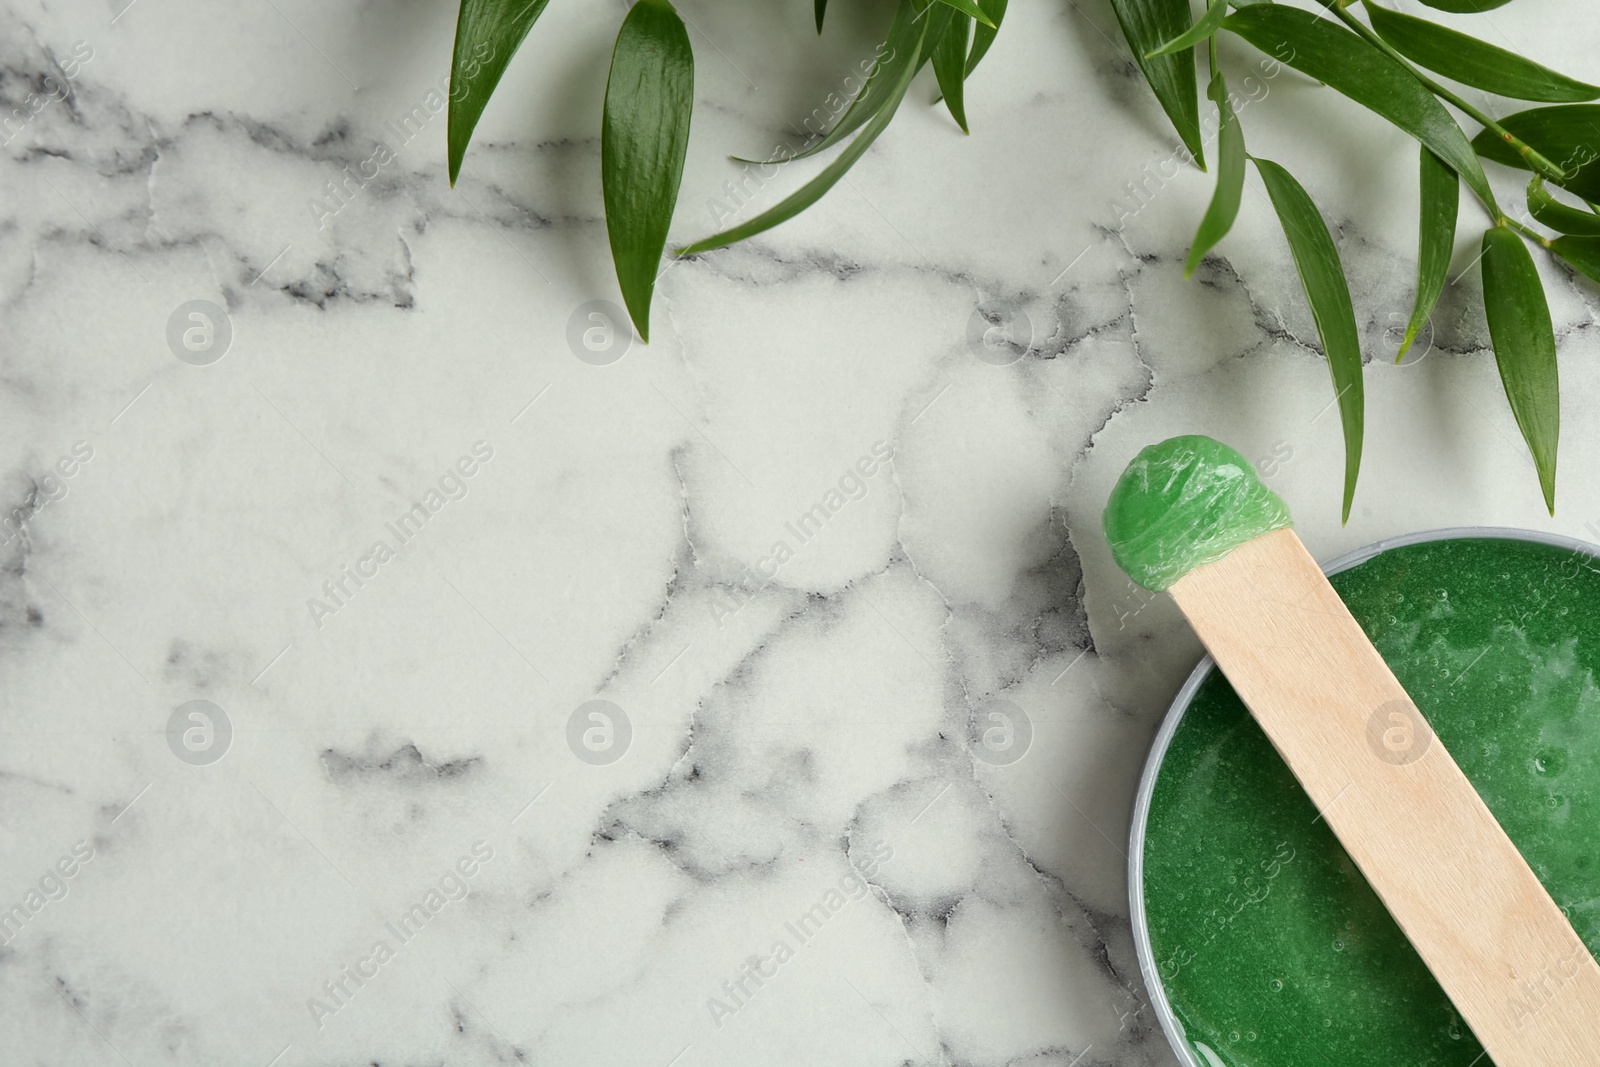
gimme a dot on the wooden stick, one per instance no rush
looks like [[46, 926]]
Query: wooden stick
[[1398, 802]]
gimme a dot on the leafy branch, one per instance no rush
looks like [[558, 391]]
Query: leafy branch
[[649, 103], [1387, 64]]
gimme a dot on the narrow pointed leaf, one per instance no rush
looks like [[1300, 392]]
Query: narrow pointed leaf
[[983, 36], [902, 50], [1558, 216], [643, 137], [488, 34], [821, 10], [1335, 56], [970, 9], [1224, 207], [1566, 134], [1436, 238], [1317, 261], [1524, 348], [1205, 27], [1465, 7], [1582, 252], [1149, 24], [813, 190], [1463, 58], [950, 67]]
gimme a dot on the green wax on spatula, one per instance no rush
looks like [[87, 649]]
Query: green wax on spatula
[[1183, 502]]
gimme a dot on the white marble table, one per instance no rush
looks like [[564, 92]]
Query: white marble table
[[787, 849]]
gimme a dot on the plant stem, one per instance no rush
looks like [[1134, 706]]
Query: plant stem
[[1211, 43], [1533, 235], [1536, 162]]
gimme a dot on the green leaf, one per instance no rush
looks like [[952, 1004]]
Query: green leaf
[[950, 67], [901, 51], [970, 9], [1565, 134], [1224, 206], [1465, 7], [1558, 216], [1436, 237], [643, 137], [1582, 252], [983, 36], [1317, 261], [1205, 27], [1148, 24], [488, 34], [1335, 56], [1470, 61], [821, 10], [1524, 348], [813, 190]]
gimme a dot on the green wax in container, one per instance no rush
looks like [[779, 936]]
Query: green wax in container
[[1183, 502], [1272, 949]]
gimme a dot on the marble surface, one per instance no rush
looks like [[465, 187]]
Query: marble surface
[[785, 839]]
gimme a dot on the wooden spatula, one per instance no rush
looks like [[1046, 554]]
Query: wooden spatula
[[1189, 515]]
